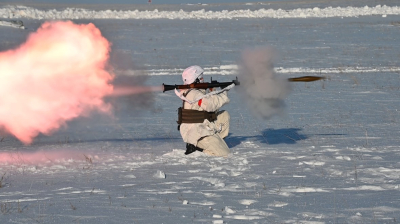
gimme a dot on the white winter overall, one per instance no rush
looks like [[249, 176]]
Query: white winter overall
[[207, 135]]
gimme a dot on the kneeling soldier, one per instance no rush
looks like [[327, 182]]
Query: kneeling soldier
[[202, 126]]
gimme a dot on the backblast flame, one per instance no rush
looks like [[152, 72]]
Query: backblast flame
[[58, 74]]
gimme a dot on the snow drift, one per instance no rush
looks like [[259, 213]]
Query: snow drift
[[77, 13]]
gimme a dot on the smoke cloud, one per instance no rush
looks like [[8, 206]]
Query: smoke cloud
[[130, 92], [261, 88], [58, 74]]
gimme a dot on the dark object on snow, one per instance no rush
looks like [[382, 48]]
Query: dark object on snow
[[191, 149], [306, 79], [204, 85]]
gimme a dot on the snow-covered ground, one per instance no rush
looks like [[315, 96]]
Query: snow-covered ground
[[333, 157], [80, 13]]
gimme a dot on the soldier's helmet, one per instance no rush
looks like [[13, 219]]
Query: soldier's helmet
[[192, 74]]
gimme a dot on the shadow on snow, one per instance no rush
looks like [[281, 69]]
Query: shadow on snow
[[272, 137]]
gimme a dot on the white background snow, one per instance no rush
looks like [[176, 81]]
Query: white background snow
[[333, 157]]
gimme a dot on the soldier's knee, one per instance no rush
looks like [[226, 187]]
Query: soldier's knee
[[224, 115], [228, 116], [214, 146]]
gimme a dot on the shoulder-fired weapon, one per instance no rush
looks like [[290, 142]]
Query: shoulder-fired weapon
[[215, 83], [204, 85]]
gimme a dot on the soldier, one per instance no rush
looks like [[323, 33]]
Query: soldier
[[202, 126]]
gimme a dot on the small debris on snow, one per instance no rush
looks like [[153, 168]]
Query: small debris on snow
[[235, 174], [343, 158], [58, 167], [244, 162], [299, 176], [220, 185], [203, 203], [159, 174], [314, 163], [229, 210], [247, 202], [245, 217], [185, 202], [278, 204]]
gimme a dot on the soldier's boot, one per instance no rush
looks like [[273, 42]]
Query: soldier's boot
[[191, 148]]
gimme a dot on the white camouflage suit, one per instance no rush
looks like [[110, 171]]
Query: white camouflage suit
[[207, 135]]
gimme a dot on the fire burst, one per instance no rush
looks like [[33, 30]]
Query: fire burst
[[58, 74]]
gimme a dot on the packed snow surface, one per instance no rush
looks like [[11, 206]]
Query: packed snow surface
[[331, 157], [79, 13]]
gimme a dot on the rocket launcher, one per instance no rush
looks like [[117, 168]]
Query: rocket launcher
[[204, 85], [215, 83]]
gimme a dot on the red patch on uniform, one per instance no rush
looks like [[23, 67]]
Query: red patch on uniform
[[199, 103]]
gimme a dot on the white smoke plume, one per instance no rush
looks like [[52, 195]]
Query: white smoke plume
[[261, 88], [130, 94]]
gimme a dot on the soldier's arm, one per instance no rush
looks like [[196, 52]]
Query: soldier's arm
[[214, 102]]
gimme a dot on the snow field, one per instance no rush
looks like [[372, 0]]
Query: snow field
[[275, 173], [201, 188], [333, 157]]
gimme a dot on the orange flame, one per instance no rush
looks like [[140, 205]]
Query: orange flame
[[58, 74]]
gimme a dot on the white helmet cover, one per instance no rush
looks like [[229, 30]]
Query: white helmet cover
[[191, 73]]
